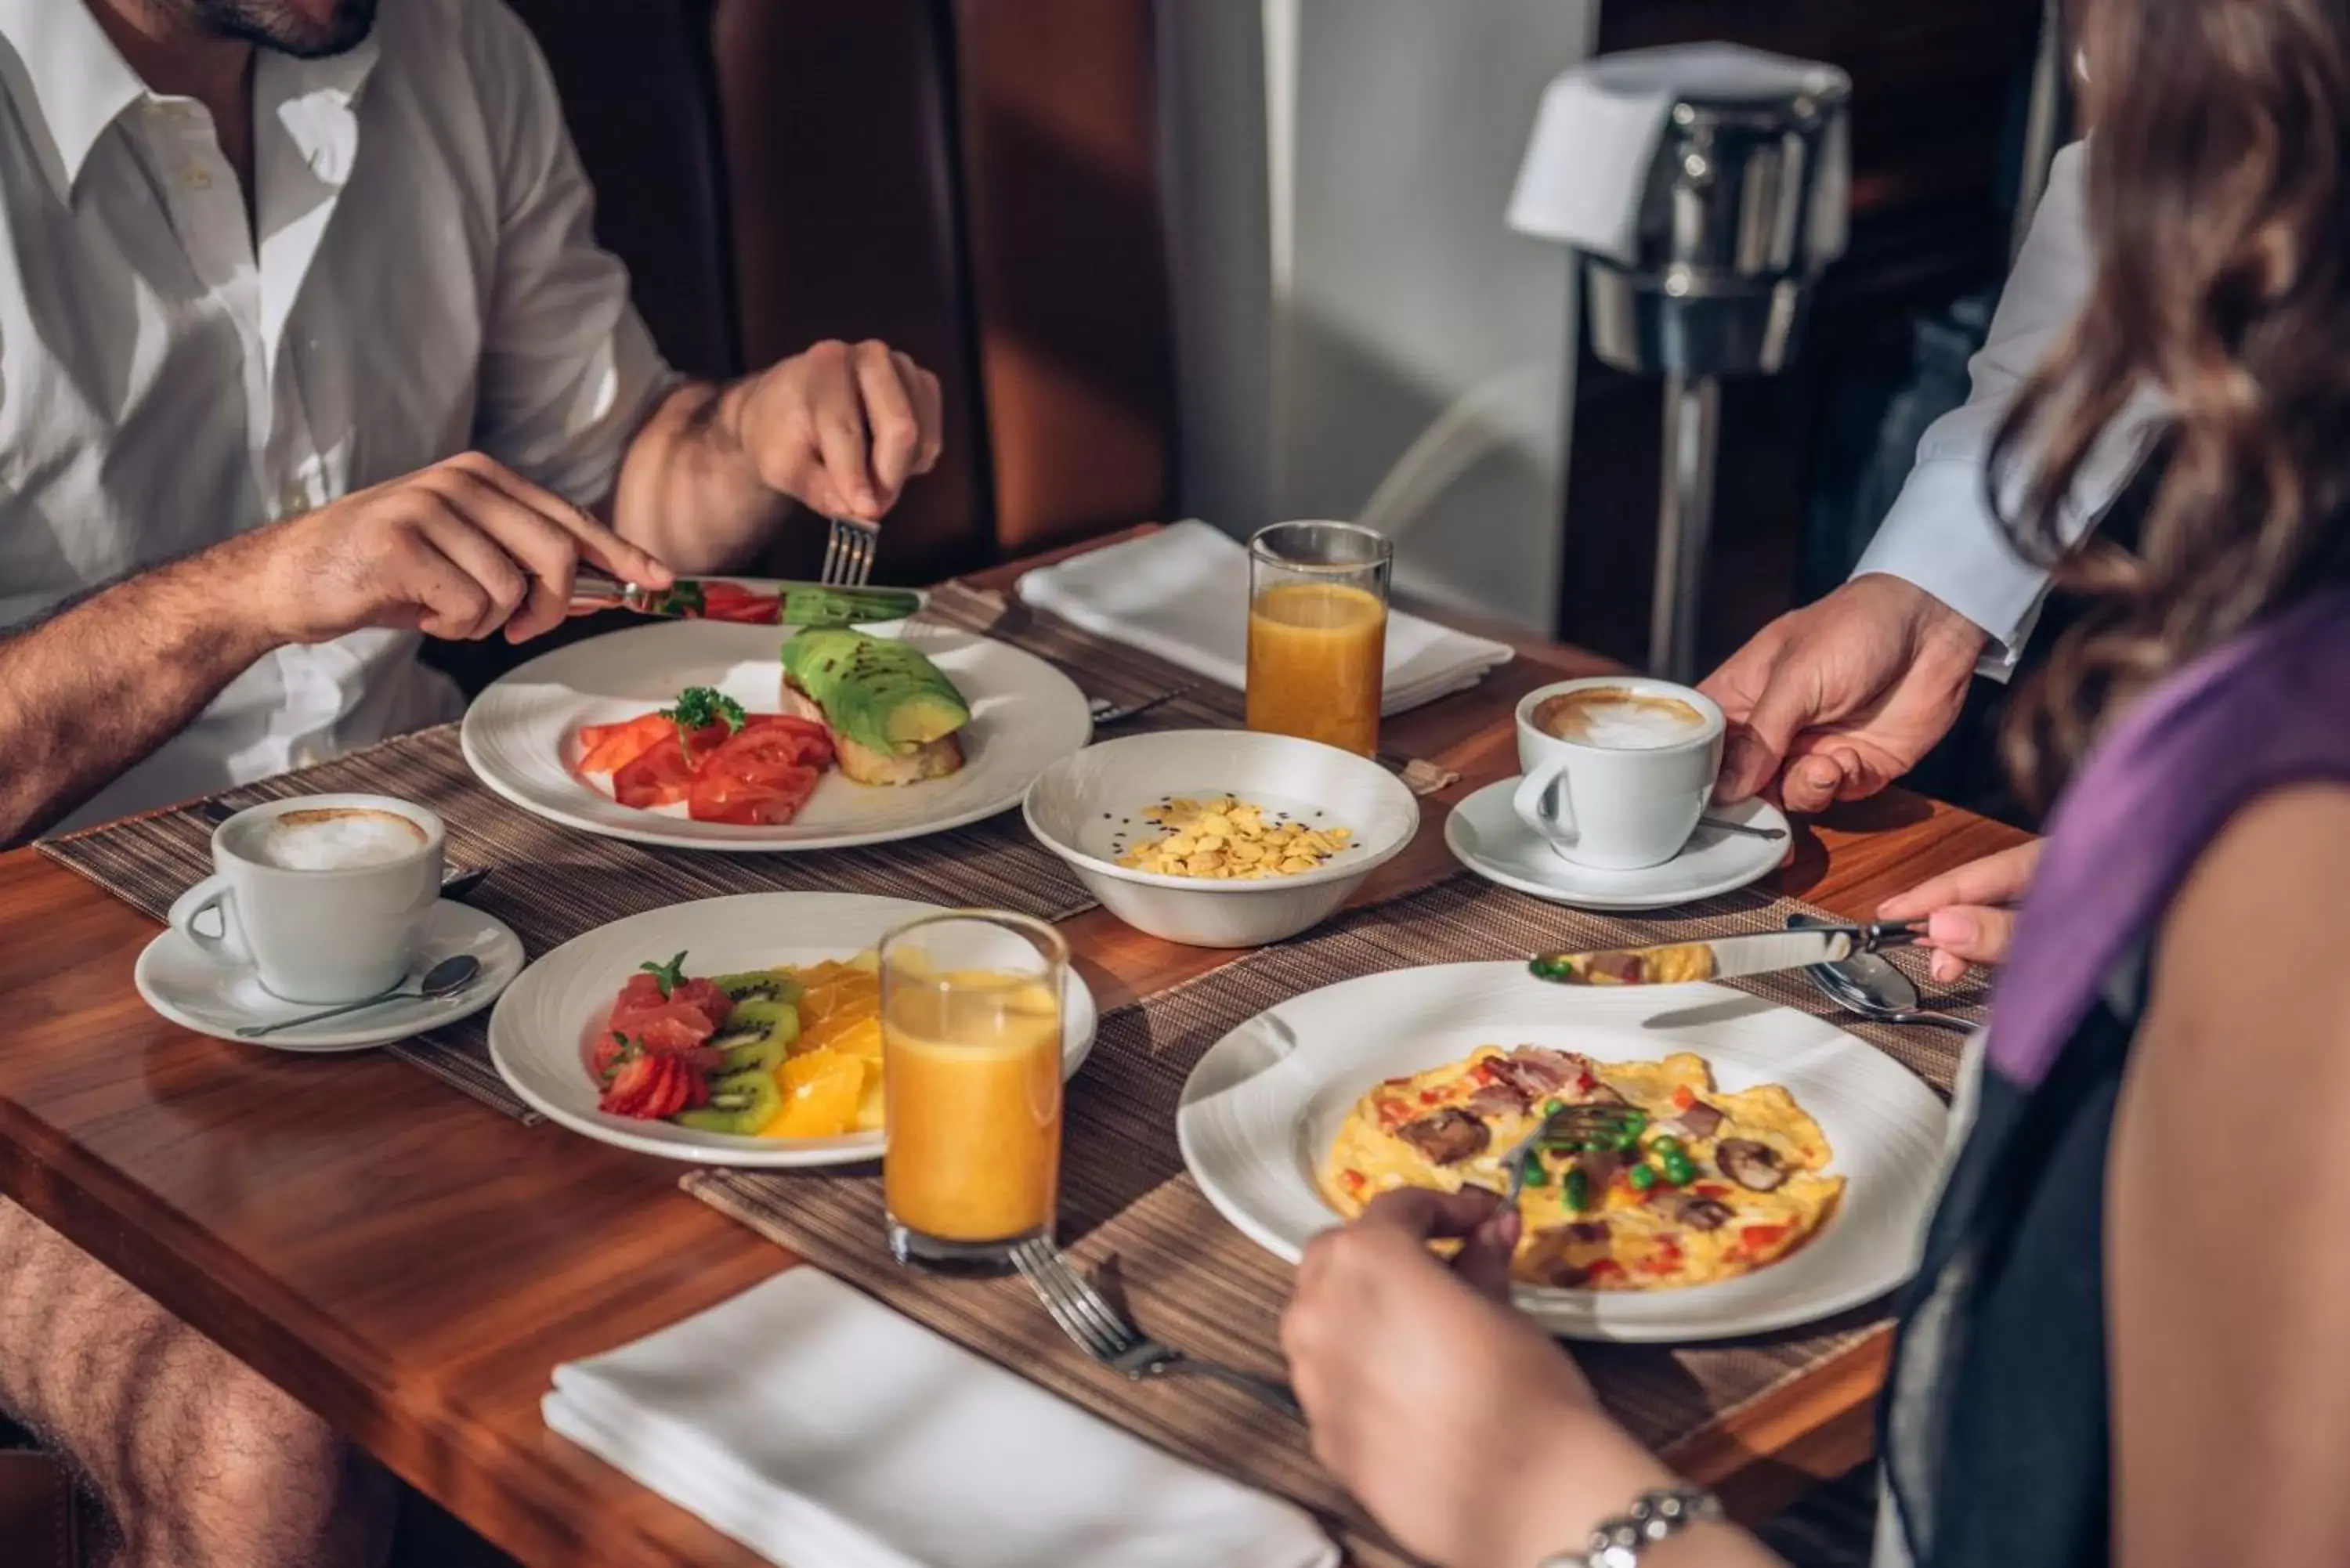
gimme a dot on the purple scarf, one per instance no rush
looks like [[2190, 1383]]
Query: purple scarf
[[2266, 709]]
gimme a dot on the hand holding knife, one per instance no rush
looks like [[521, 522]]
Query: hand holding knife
[[1724, 958]]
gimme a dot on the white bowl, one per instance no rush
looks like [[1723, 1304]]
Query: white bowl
[[1083, 807]]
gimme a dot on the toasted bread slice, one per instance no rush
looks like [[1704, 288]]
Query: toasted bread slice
[[862, 764]]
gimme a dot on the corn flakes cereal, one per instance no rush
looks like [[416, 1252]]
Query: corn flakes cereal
[[1228, 839]]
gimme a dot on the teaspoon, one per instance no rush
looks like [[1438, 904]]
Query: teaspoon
[[447, 978], [1868, 985]]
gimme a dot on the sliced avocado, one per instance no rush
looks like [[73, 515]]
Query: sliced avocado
[[878, 692], [760, 985], [758, 1034], [739, 1103]]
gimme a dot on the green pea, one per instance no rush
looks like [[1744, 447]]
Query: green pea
[[1643, 1177], [1679, 1169], [1552, 1107], [1578, 1189], [1665, 1143], [1537, 1173]]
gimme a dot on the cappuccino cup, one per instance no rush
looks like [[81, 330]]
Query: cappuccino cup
[[323, 897], [1617, 768]]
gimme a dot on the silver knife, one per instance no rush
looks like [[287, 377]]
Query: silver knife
[[762, 601], [1724, 958]]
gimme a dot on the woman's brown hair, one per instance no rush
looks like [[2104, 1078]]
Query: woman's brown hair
[[2219, 201]]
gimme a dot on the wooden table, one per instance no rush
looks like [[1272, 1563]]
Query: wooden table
[[413, 1265]]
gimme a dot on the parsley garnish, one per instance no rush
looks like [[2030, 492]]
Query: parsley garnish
[[698, 708], [668, 976]]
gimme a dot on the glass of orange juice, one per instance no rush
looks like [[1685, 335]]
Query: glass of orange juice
[[1318, 632], [971, 1050]]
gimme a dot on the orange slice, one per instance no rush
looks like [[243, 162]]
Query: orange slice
[[821, 1089]]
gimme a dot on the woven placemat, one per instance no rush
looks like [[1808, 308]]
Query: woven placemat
[[550, 883], [1196, 1282]]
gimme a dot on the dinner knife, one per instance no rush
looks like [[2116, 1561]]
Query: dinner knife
[[759, 601], [1724, 958]]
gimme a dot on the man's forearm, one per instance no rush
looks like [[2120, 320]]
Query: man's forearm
[[91, 691], [687, 490]]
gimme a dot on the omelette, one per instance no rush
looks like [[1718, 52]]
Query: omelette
[[1666, 1181]]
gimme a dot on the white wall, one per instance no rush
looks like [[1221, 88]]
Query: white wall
[[1338, 175]]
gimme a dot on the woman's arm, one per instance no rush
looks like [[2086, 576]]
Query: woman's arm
[[2227, 1207]]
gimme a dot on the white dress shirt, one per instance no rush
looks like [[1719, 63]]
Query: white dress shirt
[[423, 282], [1941, 534]]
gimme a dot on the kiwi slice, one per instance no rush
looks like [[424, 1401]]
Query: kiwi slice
[[760, 985], [757, 1033], [739, 1103]]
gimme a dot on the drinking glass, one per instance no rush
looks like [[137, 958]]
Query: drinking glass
[[1318, 632], [971, 1050]]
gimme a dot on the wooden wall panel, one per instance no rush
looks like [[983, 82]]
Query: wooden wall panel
[[1068, 260], [839, 134]]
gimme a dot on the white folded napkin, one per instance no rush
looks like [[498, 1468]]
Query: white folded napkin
[[1594, 140], [1182, 594], [820, 1429]]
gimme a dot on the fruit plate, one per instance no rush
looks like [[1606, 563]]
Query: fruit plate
[[520, 735], [544, 1025], [1260, 1110]]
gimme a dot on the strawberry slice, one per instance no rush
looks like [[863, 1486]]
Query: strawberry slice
[[633, 1088], [670, 1091]]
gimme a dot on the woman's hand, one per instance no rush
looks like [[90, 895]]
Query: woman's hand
[[1474, 1439], [1969, 912]]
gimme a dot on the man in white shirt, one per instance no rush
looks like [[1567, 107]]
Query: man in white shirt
[[1834, 701], [305, 350]]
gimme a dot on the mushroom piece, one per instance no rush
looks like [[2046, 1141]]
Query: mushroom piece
[[1752, 1165], [1699, 1213]]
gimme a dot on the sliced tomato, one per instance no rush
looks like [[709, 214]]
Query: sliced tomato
[[766, 801], [763, 776], [1762, 1238], [611, 747], [661, 776], [732, 601]]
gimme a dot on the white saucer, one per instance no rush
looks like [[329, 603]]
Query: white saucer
[[1485, 835], [187, 986]]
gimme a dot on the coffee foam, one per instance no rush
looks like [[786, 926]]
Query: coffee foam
[[1619, 718], [338, 839]]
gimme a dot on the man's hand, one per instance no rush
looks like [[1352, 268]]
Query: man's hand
[[1969, 913], [459, 550], [1838, 700], [840, 428]]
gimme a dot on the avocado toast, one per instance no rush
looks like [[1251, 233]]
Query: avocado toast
[[895, 717]]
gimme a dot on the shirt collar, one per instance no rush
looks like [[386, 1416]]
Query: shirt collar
[[77, 81], [79, 84]]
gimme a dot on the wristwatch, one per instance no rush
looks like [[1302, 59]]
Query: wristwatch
[[1621, 1541]]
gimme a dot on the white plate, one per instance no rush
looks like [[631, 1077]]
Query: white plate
[[521, 734], [188, 986], [539, 1035], [1262, 1107], [1485, 834]]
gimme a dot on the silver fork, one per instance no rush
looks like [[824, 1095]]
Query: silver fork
[[1105, 712], [1103, 1333], [849, 556]]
